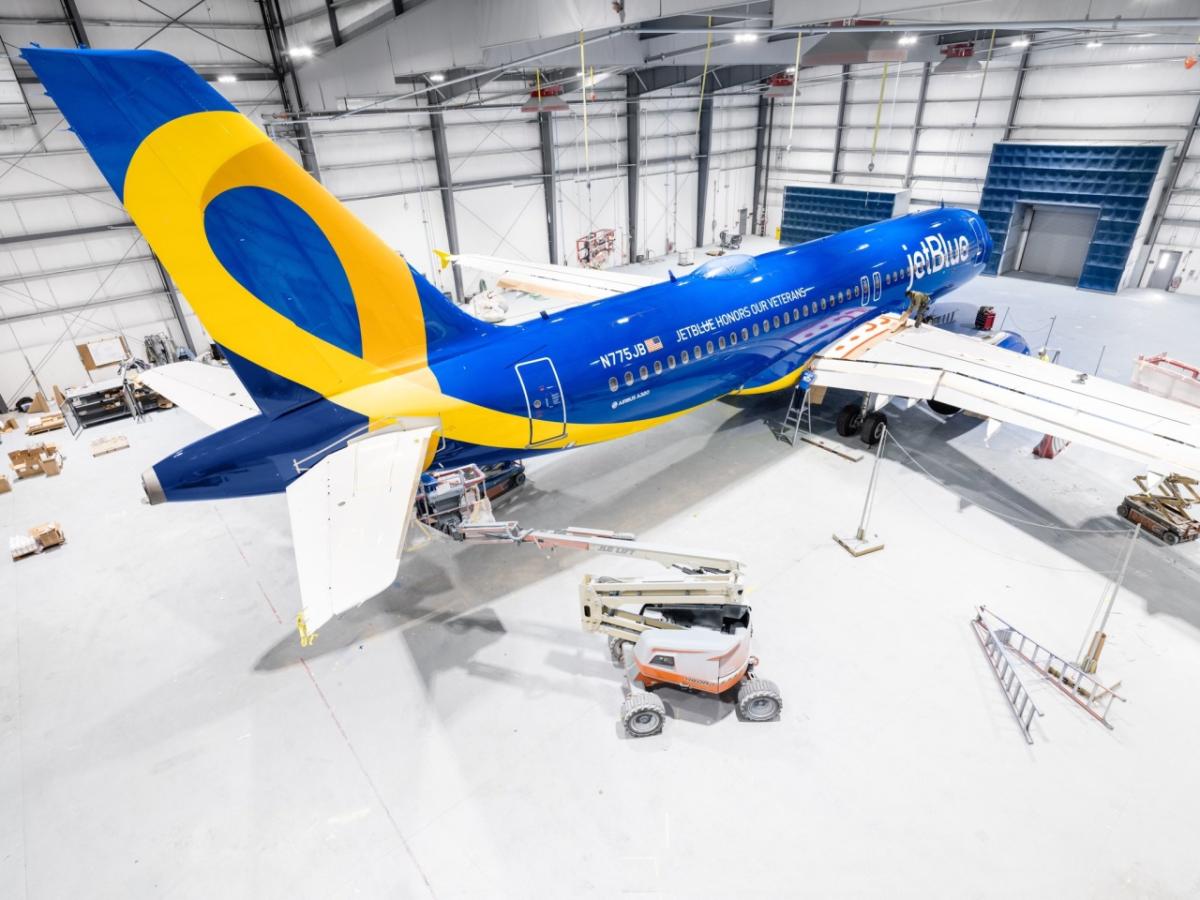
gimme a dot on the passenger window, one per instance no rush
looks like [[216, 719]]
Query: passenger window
[[887, 278], [721, 343], [822, 303], [629, 378], [766, 325], [683, 357], [805, 309], [612, 384], [856, 290], [775, 321], [745, 334], [644, 372], [787, 317], [755, 329], [732, 338], [696, 351], [839, 296], [657, 367], [671, 361], [709, 347]]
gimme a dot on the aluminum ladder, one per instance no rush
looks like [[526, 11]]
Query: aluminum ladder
[[1081, 688], [1019, 701], [798, 409]]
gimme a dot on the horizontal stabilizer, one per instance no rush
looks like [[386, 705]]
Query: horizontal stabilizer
[[886, 356], [350, 513], [550, 280], [212, 394]]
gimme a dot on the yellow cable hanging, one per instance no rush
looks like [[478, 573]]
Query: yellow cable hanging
[[704, 74], [878, 113]]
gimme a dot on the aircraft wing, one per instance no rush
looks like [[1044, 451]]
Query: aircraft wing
[[548, 280], [212, 394], [350, 514], [888, 356]]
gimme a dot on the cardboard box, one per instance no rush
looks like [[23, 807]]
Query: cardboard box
[[39, 404], [48, 534], [9, 425], [5, 487], [48, 422], [33, 460], [52, 465]]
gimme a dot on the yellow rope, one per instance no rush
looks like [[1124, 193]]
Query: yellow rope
[[587, 167], [704, 74], [878, 113]]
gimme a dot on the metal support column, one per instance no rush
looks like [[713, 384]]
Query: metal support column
[[285, 74], [334, 31], [633, 140], [549, 183], [760, 153], [173, 298], [441, 159], [702, 165], [841, 121], [1011, 118], [75, 23], [918, 116], [1164, 199]]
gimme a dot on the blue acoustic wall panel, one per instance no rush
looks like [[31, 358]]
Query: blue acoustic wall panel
[[811, 212], [1117, 179]]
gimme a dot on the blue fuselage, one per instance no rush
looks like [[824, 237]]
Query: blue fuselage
[[610, 367]]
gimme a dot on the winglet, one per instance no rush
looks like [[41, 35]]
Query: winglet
[[443, 257]]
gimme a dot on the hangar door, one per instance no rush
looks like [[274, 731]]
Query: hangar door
[[1057, 241]]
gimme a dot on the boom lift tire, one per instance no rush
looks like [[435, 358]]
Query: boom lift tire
[[1170, 538], [616, 651], [643, 714], [758, 700], [873, 425], [849, 420]]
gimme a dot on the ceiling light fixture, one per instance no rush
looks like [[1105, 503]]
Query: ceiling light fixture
[[300, 52], [437, 77], [227, 79], [907, 40], [1021, 41], [791, 70], [745, 37], [1095, 45]]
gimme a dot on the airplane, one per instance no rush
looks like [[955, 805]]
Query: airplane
[[357, 374]]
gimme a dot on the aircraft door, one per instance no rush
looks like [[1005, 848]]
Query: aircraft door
[[544, 400], [865, 290], [877, 284]]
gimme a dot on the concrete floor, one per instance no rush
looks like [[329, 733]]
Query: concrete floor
[[162, 734]]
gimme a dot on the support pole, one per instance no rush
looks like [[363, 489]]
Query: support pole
[[766, 191], [917, 117], [549, 183], [864, 542], [633, 171], [702, 166], [446, 188], [1089, 653], [1011, 118], [75, 23], [285, 75], [760, 152], [334, 31], [173, 299], [841, 121]]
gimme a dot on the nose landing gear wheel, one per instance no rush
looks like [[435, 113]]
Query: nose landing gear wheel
[[643, 714], [872, 429], [849, 420], [758, 700]]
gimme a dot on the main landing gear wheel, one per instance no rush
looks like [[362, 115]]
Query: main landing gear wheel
[[873, 426], [849, 420], [643, 714], [758, 700]]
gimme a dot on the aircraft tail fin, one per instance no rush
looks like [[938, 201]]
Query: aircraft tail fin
[[307, 301]]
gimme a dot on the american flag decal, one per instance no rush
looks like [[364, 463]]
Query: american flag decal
[[653, 344]]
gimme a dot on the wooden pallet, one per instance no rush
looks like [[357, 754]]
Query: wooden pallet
[[110, 444]]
